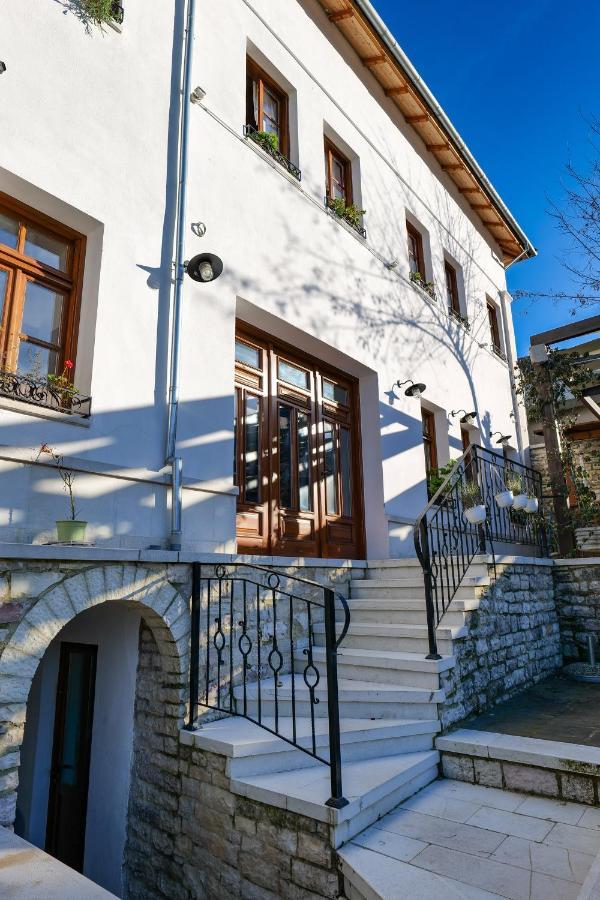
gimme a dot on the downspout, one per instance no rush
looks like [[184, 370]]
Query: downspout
[[510, 358], [172, 459]]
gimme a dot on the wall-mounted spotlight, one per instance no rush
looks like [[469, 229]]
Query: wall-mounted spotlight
[[2, 67], [503, 439], [198, 95], [415, 390], [467, 419], [392, 264], [204, 267]]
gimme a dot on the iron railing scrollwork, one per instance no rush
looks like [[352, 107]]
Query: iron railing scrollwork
[[253, 641], [356, 226], [259, 138], [39, 392], [446, 542]]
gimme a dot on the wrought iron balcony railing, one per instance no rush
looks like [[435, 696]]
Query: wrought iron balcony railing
[[262, 140], [499, 353], [117, 12], [447, 542], [40, 393], [253, 642], [462, 320], [349, 220]]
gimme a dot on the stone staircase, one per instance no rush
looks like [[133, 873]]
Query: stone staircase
[[388, 700]]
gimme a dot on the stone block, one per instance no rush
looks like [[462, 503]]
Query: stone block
[[314, 849], [11, 612], [530, 780], [579, 788], [458, 767], [281, 838], [488, 772], [314, 879], [8, 808], [32, 584]]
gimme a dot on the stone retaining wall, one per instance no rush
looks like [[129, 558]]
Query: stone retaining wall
[[513, 642], [189, 837], [577, 592]]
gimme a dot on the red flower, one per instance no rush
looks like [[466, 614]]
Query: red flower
[[68, 364]]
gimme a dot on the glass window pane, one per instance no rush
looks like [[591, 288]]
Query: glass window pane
[[293, 375], [3, 283], [36, 362], [252, 446], [9, 230], [335, 392], [330, 468], [249, 356], [271, 116], [51, 251], [285, 457], [346, 466], [303, 427], [42, 313]]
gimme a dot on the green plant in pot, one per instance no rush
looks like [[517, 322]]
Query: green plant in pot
[[472, 503], [71, 530], [267, 139], [514, 483]]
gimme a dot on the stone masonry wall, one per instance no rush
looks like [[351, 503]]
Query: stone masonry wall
[[189, 837], [577, 591], [513, 642]]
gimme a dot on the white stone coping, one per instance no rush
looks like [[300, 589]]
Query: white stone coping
[[590, 889], [577, 759], [43, 412], [124, 554], [581, 561], [28, 873]]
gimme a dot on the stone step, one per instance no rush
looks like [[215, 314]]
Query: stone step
[[253, 750], [381, 636], [357, 699], [386, 611], [387, 667], [411, 588], [373, 787]]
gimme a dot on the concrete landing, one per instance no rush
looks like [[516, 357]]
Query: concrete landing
[[27, 873], [457, 840]]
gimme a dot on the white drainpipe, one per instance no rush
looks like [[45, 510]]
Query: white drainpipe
[[175, 461]]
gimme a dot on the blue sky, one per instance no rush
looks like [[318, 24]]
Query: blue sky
[[517, 80]]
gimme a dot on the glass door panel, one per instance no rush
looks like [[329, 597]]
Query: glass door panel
[[331, 468], [304, 480], [285, 457]]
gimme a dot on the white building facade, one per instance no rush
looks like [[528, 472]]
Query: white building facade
[[293, 436]]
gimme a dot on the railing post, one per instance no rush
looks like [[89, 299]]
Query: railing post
[[337, 799], [194, 645], [479, 479], [428, 579]]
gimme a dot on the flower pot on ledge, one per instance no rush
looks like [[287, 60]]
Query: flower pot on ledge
[[532, 505], [520, 501], [70, 531], [504, 499]]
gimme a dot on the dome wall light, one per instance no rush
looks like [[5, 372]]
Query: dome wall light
[[467, 419], [415, 390], [204, 267], [503, 439]]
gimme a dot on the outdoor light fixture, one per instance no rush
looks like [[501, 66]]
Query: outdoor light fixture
[[415, 390], [503, 439], [2, 67], [467, 418], [204, 267]]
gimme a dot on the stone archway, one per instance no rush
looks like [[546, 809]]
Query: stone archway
[[165, 610]]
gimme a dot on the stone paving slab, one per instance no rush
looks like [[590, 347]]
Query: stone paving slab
[[455, 839], [27, 873]]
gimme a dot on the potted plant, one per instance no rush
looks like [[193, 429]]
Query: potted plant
[[427, 286], [472, 502], [514, 483], [71, 530], [532, 504], [504, 499], [350, 213]]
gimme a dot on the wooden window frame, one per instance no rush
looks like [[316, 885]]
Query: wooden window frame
[[452, 294], [429, 440], [254, 71], [492, 313], [331, 152], [23, 269], [415, 234]]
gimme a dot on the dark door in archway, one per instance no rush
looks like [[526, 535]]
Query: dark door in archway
[[69, 777]]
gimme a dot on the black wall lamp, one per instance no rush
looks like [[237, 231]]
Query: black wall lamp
[[415, 390], [204, 267], [503, 439], [2, 67], [467, 419]]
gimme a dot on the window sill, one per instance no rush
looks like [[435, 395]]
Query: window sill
[[461, 320], [42, 412], [353, 229], [288, 167]]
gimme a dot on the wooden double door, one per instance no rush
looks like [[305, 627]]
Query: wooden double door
[[297, 454]]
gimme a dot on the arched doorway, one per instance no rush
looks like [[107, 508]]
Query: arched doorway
[[80, 645]]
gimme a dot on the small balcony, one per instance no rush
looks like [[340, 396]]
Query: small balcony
[[462, 320], [265, 142], [38, 392], [497, 351], [349, 214]]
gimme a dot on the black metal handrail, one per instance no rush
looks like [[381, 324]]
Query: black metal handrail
[[248, 626], [262, 141], [42, 393], [446, 542]]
